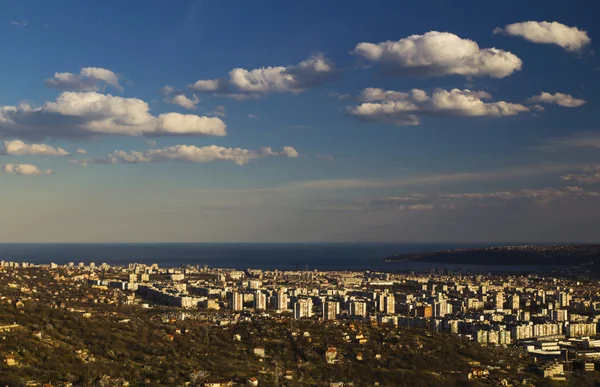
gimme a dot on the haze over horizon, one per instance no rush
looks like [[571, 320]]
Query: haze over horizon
[[212, 121]]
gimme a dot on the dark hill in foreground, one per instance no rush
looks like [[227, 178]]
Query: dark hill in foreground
[[554, 255]]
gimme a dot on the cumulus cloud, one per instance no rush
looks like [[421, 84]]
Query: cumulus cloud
[[88, 79], [81, 151], [569, 38], [184, 102], [565, 100], [166, 90], [242, 83], [437, 54], [75, 114], [19, 148], [25, 170], [192, 154], [590, 175], [405, 108]]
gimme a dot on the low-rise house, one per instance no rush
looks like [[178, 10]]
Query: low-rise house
[[218, 383], [259, 351], [552, 370], [331, 355], [10, 360]]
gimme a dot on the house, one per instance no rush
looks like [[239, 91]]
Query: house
[[552, 370], [253, 381], [9, 327], [259, 351], [37, 335], [218, 383], [10, 360], [359, 356], [478, 373], [331, 355]]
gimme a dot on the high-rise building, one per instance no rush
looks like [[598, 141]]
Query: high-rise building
[[303, 308], [358, 308], [260, 300], [237, 301], [564, 299], [559, 315], [440, 308], [132, 277], [330, 310], [281, 300], [515, 302], [424, 311], [254, 284], [499, 300], [386, 303]]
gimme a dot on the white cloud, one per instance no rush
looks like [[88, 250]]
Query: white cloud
[[175, 123], [191, 153], [90, 113], [166, 90], [565, 100], [22, 23], [19, 148], [25, 170], [590, 175], [406, 108], [88, 79], [519, 172], [219, 111], [575, 141], [339, 96], [421, 201], [437, 54], [209, 85], [543, 195], [569, 38], [242, 83], [253, 116], [81, 151], [184, 101]]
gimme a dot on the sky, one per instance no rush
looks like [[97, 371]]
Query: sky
[[299, 121]]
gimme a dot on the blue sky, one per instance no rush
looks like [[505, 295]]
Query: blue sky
[[343, 121]]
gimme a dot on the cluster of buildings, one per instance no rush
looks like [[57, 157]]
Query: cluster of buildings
[[550, 316], [491, 309]]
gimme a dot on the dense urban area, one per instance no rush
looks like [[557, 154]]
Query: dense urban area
[[83, 324]]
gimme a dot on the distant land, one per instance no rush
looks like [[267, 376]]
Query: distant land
[[552, 255]]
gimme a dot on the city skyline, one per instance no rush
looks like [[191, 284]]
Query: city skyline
[[198, 121]]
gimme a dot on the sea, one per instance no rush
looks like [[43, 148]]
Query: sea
[[266, 256]]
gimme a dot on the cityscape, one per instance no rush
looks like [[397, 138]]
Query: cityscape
[[339, 193], [547, 322]]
